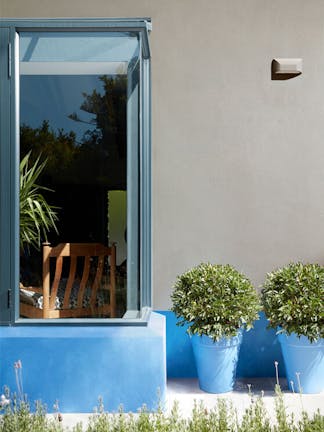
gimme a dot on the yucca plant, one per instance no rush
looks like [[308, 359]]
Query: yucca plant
[[37, 217]]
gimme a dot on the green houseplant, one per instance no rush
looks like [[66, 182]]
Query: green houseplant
[[292, 298], [37, 217], [217, 303]]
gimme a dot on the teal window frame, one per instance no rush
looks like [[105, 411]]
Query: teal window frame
[[9, 166]]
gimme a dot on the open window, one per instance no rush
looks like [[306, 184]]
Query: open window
[[75, 170]]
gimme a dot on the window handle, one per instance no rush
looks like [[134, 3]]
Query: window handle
[[9, 60]]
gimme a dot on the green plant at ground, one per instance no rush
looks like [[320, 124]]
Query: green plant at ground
[[314, 424], [37, 217], [255, 418], [223, 418], [292, 299], [215, 300], [17, 418], [285, 422]]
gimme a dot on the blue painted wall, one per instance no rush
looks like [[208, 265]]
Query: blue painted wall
[[124, 365], [76, 365], [260, 349]]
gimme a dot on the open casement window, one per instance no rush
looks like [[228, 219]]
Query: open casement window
[[75, 171]]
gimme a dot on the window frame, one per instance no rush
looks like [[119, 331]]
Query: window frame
[[9, 165]]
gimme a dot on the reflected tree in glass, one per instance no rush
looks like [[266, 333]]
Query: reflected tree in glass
[[81, 168]]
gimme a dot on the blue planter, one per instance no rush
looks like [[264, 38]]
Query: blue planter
[[216, 362], [305, 359]]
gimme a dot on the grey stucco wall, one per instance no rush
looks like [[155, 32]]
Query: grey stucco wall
[[238, 159]]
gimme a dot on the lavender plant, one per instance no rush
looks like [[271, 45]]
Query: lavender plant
[[17, 417]]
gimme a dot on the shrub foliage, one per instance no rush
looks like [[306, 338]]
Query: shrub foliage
[[215, 300], [292, 298]]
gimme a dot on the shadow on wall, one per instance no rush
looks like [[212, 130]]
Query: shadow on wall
[[260, 349]]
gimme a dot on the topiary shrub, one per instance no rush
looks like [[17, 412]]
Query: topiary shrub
[[292, 299], [215, 300]]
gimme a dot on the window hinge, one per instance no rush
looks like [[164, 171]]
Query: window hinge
[[9, 60], [9, 298]]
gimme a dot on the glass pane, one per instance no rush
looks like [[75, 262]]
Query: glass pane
[[133, 190], [75, 113], [78, 46]]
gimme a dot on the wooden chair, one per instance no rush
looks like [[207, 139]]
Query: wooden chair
[[85, 264]]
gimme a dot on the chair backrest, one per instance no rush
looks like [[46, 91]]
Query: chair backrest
[[86, 262]]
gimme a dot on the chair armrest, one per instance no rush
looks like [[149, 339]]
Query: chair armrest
[[38, 290]]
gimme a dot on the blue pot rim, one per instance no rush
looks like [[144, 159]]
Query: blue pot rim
[[301, 341], [224, 342]]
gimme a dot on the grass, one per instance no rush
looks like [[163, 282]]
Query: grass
[[17, 417]]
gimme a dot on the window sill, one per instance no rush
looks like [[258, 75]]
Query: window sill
[[131, 318]]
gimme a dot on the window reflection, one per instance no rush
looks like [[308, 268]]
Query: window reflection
[[77, 126]]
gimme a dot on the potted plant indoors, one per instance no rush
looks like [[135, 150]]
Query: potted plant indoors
[[217, 303], [292, 299], [37, 217]]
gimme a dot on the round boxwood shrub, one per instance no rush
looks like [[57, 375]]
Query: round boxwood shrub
[[292, 299], [215, 300]]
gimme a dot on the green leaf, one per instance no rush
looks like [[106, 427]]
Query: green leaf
[[292, 299], [215, 300], [37, 217]]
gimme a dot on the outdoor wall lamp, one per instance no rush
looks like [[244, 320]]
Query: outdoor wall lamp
[[286, 68]]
